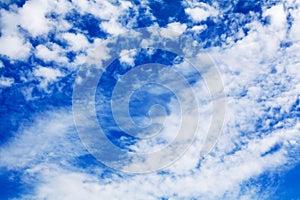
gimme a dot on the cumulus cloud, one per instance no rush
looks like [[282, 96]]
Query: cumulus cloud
[[127, 56], [49, 75], [35, 22], [51, 52], [176, 29], [201, 12], [76, 41], [15, 47]]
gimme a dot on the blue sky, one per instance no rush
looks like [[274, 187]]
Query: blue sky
[[72, 122]]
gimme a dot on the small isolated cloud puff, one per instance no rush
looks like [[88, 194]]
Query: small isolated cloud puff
[[6, 82], [201, 12]]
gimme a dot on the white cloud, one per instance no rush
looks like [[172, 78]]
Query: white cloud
[[51, 136], [46, 148], [177, 27], [15, 47], [110, 13], [108, 9], [33, 17], [9, 22], [51, 52], [201, 12], [49, 75], [174, 30], [183, 183], [1, 64], [100, 51], [277, 15], [199, 28], [6, 82], [127, 56], [243, 70], [113, 27], [180, 183], [77, 41], [294, 11]]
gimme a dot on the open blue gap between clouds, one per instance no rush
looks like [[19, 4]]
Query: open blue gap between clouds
[[86, 24], [11, 184], [8, 3], [140, 103]]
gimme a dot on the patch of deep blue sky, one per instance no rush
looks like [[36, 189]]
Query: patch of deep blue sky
[[6, 4], [141, 101], [16, 110], [11, 184]]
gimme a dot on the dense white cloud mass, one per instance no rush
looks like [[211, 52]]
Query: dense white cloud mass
[[33, 17], [261, 80], [14, 47], [51, 53], [201, 12], [77, 42]]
